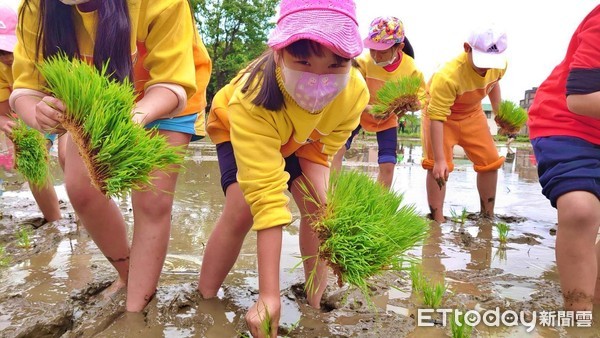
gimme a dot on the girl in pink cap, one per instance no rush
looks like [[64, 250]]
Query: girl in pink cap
[[45, 197], [387, 59], [277, 126]]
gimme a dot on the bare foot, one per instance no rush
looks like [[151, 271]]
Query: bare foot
[[113, 290]]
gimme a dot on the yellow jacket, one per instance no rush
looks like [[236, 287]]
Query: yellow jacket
[[456, 90], [262, 139], [6, 81], [166, 50], [376, 77]]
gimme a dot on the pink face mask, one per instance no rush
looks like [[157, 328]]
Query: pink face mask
[[312, 91]]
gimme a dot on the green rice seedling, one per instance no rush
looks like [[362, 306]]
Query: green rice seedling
[[4, 259], [31, 155], [119, 154], [510, 118], [459, 218], [459, 327], [417, 278], [364, 229], [503, 229], [265, 324], [398, 97], [433, 294], [24, 238]]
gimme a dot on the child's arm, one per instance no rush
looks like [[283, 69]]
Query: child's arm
[[586, 104], [269, 303], [495, 96]]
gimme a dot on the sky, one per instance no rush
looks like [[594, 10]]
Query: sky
[[538, 32]]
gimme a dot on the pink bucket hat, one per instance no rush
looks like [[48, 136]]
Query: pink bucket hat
[[8, 25], [384, 33], [488, 46], [331, 23]]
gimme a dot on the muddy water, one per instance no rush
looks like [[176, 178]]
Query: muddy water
[[49, 289]]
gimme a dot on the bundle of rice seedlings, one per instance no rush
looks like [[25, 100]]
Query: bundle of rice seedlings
[[31, 155], [510, 118], [119, 154], [398, 97], [365, 230]]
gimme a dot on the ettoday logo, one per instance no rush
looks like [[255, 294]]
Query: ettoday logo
[[508, 318]]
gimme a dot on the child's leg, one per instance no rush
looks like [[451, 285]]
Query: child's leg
[[435, 197], [47, 201], [151, 229], [46, 198], [387, 142], [316, 178], [100, 215], [486, 186], [578, 223], [225, 242], [597, 292], [336, 163]]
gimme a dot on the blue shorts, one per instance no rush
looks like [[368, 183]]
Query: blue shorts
[[567, 164], [387, 143], [183, 124], [229, 170], [50, 137]]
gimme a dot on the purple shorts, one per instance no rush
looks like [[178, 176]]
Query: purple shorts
[[387, 143], [228, 167]]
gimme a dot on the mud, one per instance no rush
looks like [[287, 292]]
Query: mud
[[54, 287]]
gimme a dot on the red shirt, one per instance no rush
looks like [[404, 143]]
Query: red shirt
[[578, 73]]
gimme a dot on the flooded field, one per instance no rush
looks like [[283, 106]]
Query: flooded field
[[50, 289]]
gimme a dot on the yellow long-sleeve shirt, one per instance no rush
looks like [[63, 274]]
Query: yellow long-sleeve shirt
[[262, 139], [376, 77], [456, 90], [6, 81], [166, 48]]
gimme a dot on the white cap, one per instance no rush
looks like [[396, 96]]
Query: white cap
[[488, 46]]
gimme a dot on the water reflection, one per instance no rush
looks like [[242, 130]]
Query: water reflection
[[459, 251]]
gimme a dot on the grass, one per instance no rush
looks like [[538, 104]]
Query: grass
[[503, 230], [510, 117], [119, 154], [398, 97], [433, 294], [458, 326], [4, 259], [31, 155], [366, 236], [24, 238], [459, 218]]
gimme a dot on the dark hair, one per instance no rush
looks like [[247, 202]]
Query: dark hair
[[269, 94], [408, 48], [56, 34]]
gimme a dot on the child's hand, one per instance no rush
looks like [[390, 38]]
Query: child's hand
[[440, 173], [7, 124], [263, 317], [49, 115]]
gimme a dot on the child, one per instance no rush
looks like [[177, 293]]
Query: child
[[564, 126], [154, 43], [385, 61], [454, 116], [276, 126], [45, 196]]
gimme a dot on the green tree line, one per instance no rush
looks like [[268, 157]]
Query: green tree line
[[234, 33]]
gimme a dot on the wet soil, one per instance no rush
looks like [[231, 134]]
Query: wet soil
[[52, 287]]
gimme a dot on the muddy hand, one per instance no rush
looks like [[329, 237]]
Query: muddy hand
[[440, 182], [263, 318]]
